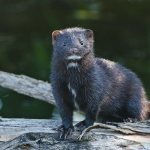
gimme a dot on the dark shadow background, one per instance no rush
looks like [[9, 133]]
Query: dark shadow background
[[122, 34]]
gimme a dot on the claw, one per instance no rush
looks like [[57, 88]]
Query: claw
[[69, 132], [65, 132]]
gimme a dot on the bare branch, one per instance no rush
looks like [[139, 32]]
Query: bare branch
[[28, 86]]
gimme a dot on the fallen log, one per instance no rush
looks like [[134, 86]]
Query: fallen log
[[40, 134]]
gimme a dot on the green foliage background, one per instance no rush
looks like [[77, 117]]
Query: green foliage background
[[122, 34]]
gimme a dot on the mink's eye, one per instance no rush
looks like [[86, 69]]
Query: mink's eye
[[81, 42]]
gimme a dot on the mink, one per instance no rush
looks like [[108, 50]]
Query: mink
[[99, 87]]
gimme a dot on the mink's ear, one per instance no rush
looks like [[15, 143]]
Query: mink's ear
[[55, 35], [89, 33]]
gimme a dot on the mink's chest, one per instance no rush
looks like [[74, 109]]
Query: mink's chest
[[75, 79], [75, 85]]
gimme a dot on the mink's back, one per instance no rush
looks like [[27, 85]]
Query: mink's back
[[123, 88], [117, 73]]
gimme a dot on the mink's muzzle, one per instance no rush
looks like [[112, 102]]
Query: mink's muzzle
[[76, 58], [73, 58], [73, 63]]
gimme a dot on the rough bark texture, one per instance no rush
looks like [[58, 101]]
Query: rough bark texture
[[28, 86], [34, 134]]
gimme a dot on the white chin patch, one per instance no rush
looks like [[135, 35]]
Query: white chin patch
[[72, 65], [74, 57]]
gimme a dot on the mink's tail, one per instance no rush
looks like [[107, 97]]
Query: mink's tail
[[148, 110]]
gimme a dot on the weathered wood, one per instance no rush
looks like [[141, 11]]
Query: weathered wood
[[125, 128], [34, 134], [28, 86]]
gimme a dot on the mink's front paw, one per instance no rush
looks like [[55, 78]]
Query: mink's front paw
[[80, 125], [65, 132]]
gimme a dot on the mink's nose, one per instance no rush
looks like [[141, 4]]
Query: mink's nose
[[74, 51], [73, 54]]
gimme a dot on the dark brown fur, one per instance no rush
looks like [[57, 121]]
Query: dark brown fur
[[101, 88]]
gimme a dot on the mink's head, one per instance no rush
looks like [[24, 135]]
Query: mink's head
[[72, 44]]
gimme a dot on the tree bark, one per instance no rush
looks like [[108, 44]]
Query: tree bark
[[28, 86], [35, 134]]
